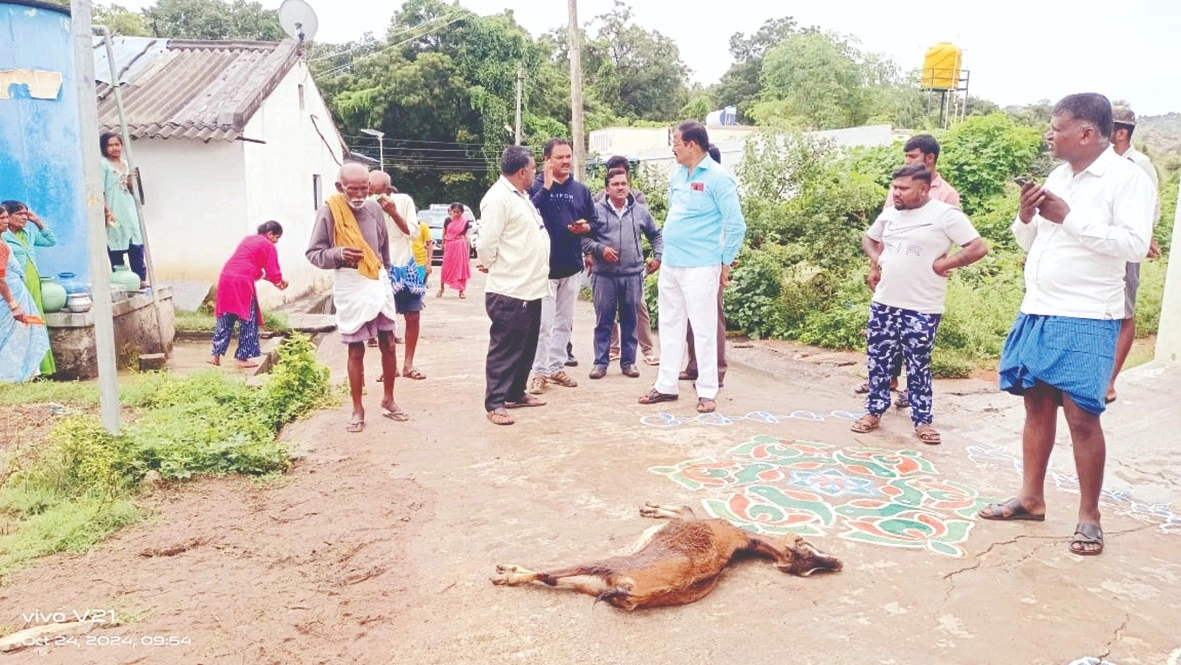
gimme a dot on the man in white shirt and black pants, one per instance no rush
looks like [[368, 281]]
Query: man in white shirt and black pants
[[513, 249], [1091, 217], [908, 246]]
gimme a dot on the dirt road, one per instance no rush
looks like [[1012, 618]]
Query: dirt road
[[377, 547]]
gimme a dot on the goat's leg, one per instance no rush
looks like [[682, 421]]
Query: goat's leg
[[586, 578], [683, 513], [770, 550]]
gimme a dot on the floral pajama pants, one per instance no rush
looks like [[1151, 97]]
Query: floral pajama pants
[[893, 332], [248, 344]]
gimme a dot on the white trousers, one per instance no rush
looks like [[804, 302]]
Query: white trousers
[[557, 322], [688, 295]]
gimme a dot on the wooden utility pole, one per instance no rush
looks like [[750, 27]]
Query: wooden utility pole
[[520, 85], [577, 131]]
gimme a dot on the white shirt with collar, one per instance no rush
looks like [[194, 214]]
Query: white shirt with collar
[[1140, 159], [513, 244], [1077, 268]]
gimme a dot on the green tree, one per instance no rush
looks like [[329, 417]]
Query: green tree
[[213, 19], [637, 72], [981, 155], [817, 78], [741, 85], [120, 20]]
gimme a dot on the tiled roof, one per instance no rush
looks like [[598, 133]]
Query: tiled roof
[[182, 89]]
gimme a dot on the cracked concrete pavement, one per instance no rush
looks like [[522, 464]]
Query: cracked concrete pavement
[[447, 496], [564, 485]]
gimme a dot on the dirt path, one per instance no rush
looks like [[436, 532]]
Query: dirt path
[[377, 547]]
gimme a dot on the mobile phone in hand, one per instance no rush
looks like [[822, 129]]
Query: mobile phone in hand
[[1022, 180]]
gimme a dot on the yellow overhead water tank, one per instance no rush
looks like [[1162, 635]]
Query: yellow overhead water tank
[[941, 67]]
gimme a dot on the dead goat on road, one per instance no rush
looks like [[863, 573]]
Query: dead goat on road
[[672, 564]]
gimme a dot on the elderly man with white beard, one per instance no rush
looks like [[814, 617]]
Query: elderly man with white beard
[[350, 238]]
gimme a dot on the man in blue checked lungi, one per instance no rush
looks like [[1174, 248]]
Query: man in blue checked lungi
[[908, 248], [1092, 216]]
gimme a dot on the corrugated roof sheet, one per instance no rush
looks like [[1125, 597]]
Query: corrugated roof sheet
[[184, 89]]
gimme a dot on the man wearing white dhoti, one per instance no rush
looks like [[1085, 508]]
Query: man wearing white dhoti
[[350, 238]]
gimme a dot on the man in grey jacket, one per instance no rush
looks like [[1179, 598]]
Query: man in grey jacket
[[618, 278]]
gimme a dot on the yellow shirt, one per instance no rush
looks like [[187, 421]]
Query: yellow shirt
[[420, 241]]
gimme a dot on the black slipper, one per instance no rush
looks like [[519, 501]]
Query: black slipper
[[1086, 534], [1016, 512]]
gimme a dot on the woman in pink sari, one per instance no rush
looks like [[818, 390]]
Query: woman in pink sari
[[457, 267], [237, 299]]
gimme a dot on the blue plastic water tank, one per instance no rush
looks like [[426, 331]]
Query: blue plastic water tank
[[40, 153]]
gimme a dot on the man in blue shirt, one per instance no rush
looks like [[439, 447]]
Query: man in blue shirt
[[567, 210], [702, 234]]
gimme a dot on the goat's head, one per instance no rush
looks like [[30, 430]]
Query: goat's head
[[801, 558]]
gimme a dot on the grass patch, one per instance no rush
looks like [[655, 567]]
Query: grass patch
[[73, 492], [203, 321], [133, 389]]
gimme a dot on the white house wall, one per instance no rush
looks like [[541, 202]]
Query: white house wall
[[279, 175], [194, 204]]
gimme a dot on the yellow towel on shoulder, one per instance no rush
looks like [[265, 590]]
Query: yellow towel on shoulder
[[347, 233]]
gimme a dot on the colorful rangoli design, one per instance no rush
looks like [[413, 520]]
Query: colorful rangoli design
[[891, 498]]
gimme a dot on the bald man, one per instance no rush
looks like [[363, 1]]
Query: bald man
[[350, 238], [401, 220]]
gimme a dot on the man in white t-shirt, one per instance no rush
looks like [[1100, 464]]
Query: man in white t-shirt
[[908, 246]]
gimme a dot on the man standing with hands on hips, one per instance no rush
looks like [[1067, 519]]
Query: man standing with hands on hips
[[1080, 229], [567, 209], [702, 234]]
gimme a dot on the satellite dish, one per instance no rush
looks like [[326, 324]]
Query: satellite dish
[[298, 19]]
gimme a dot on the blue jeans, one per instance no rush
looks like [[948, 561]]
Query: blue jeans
[[904, 333], [613, 295]]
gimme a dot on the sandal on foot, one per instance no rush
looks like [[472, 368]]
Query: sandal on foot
[[1087, 534], [656, 397], [355, 427], [866, 424], [651, 360], [397, 414], [903, 401], [928, 435], [462, 296], [706, 405], [686, 376], [414, 374], [500, 417], [528, 401], [1010, 511]]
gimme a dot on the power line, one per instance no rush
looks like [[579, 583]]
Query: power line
[[357, 48], [393, 46]]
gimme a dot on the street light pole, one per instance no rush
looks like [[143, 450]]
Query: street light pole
[[380, 144]]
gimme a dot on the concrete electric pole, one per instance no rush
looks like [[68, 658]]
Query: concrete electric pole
[[520, 86], [577, 128]]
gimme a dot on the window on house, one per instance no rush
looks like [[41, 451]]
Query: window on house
[[301, 97], [317, 192]]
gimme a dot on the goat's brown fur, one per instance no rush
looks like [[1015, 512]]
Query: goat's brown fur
[[672, 564]]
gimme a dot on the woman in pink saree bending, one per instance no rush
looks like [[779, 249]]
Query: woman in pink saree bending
[[457, 267]]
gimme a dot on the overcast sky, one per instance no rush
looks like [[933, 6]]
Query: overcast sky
[[1017, 51]]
